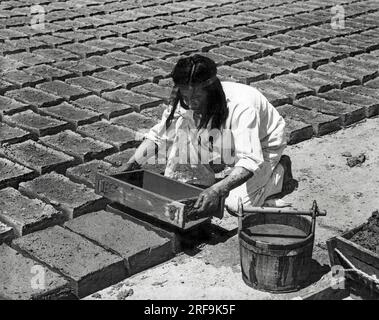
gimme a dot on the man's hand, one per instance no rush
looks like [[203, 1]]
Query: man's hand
[[145, 150], [130, 166], [207, 201]]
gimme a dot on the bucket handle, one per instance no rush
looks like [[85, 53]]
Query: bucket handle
[[313, 212]]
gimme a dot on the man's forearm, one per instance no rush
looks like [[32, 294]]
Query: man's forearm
[[145, 151], [238, 176]]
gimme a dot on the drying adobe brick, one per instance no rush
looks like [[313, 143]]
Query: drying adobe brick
[[368, 236]]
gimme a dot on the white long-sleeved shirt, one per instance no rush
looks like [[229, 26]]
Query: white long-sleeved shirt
[[255, 128]]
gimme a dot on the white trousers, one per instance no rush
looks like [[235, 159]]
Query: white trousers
[[267, 181]]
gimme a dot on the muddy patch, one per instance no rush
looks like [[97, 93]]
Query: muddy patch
[[368, 236]]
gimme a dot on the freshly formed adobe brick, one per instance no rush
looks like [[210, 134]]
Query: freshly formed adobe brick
[[82, 148], [193, 44], [322, 123], [231, 33], [133, 99], [30, 45], [118, 136], [364, 91], [18, 273], [120, 158], [316, 84], [106, 44], [238, 75], [34, 97], [75, 36], [22, 79], [106, 108], [64, 90], [100, 34], [358, 73], [160, 64], [365, 67], [8, 64], [319, 55], [73, 115], [306, 34], [6, 233], [305, 58], [236, 53], [167, 83], [374, 84], [72, 198], [135, 121], [87, 266], [146, 38], [77, 67], [259, 50], [86, 173], [146, 52], [297, 131], [8, 48], [338, 80], [154, 90], [123, 79], [6, 86], [38, 157], [93, 84], [370, 104], [287, 42], [279, 62], [49, 73], [174, 49], [266, 71], [106, 62], [10, 34], [10, 134], [128, 57], [35, 123], [26, 215], [12, 173], [140, 247], [143, 72], [348, 113], [155, 113], [212, 39], [294, 89], [83, 50], [10, 106], [56, 54], [275, 94], [338, 51], [373, 94]]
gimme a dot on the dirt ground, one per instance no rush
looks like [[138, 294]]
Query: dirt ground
[[349, 194]]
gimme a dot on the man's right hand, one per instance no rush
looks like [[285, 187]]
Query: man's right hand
[[145, 150], [130, 166]]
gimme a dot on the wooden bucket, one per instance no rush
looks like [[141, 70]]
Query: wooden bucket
[[278, 263]]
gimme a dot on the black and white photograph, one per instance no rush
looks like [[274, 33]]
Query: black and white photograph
[[189, 154]]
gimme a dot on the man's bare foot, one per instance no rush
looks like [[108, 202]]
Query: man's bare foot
[[289, 183]]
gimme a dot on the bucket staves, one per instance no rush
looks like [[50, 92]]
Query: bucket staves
[[276, 262]]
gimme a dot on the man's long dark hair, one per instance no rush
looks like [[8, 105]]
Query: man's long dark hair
[[194, 70]]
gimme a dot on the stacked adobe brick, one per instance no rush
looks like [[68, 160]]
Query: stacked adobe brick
[[74, 94]]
